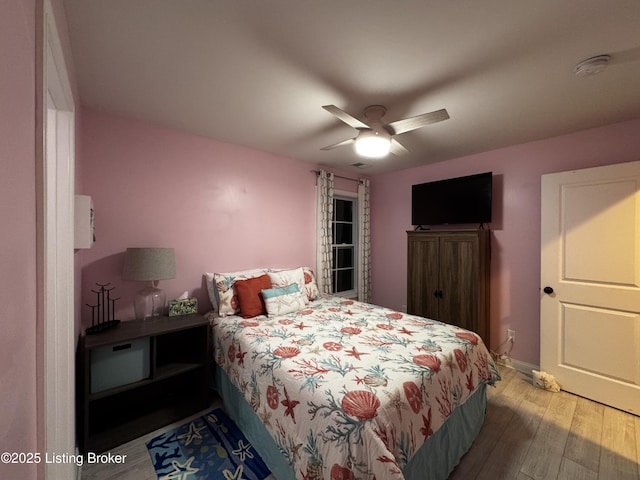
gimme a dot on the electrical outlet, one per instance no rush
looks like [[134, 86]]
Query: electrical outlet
[[403, 308], [511, 335]]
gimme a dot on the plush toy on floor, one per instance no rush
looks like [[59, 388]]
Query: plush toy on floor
[[545, 380]]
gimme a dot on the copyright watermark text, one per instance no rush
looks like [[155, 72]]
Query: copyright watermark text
[[77, 459]]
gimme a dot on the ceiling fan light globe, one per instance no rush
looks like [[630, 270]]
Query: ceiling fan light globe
[[372, 145]]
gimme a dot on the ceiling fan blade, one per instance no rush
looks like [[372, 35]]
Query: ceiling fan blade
[[345, 117], [339, 144], [397, 148], [419, 121]]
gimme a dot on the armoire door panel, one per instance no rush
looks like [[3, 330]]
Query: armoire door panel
[[459, 280], [423, 270], [455, 266]]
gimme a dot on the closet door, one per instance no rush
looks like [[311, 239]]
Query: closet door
[[423, 282]]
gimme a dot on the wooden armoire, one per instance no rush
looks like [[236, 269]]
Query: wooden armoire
[[448, 277]]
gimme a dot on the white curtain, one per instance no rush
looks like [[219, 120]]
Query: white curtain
[[364, 242], [324, 215]]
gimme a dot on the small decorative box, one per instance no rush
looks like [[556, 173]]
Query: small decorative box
[[183, 307]]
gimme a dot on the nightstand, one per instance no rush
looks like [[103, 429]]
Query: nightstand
[[140, 376]]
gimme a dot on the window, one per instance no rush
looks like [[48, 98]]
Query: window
[[345, 237]]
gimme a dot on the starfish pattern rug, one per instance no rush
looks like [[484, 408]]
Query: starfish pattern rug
[[209, 447]]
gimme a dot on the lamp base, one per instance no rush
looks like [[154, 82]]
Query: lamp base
[[149, 303]]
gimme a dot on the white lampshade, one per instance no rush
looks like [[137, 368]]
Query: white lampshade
[[152, 265], [373, 144]]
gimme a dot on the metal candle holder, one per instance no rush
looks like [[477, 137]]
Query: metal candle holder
[[103, 311]]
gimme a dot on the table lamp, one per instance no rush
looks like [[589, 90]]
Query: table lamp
[[150, 265]]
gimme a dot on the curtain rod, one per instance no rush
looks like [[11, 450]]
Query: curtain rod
[[317, 172]]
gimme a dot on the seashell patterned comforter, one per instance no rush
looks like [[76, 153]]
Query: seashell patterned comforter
[[347, 389]]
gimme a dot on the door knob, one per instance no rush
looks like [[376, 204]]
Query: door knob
[[547, 290]]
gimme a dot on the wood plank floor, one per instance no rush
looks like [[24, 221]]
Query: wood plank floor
[[528, 434]]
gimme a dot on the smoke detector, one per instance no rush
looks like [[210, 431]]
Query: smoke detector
[[592, 66]]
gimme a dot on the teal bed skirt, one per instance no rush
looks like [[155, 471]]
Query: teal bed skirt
[[434, 460]]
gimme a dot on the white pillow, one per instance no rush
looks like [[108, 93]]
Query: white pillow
[[282, 278], [281, 300], [211, 290]]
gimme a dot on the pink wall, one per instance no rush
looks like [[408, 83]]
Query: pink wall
[[515, 264], [221, 207], [18, 427]]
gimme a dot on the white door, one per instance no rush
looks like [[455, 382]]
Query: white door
[[590, 322]]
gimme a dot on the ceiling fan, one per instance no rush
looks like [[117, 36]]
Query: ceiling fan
[[376, 138]]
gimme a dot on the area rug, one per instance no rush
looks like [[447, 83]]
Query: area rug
[[207, 448]]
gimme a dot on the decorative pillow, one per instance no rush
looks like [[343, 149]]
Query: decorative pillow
[[282, 278], [310, 284], [226, 297], [250, 296], [281, 300]]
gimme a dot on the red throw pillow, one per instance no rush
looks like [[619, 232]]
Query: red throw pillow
[[249, 296]]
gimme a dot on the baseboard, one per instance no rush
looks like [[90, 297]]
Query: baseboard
[[522, 367]]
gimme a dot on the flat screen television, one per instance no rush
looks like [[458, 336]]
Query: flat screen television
[[452, 201]]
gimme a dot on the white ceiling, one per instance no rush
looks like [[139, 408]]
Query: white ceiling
[[257, 72]]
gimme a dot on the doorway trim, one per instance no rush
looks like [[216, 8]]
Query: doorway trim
[[55, 254]]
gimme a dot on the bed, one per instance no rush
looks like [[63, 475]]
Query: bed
[[331, 388]]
